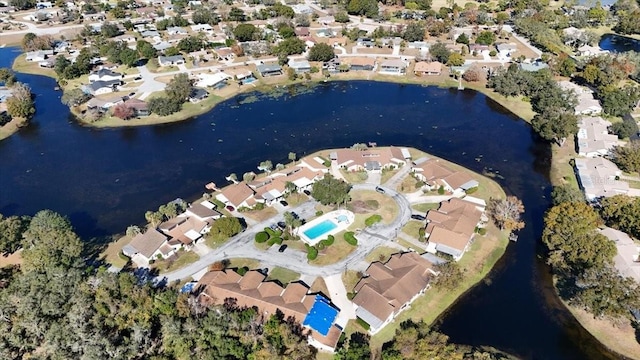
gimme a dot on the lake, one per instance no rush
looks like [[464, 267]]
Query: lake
[[617, 43], [105, 179]]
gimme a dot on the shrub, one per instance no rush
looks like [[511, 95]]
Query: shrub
[[482, 231], [493, 53], [321, 245], [373, 219], [351, 295], [319, 212], [421, 233], [123, 257], [312, 252], [472, 190], [350, 238], [363, 323], [441, 190], [274, 240], [241, 271], [262, 237], [330, 239], [258, 206], [271, 232]]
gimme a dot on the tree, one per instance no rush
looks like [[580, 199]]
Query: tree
[[12, 229], [179, 88], [449, 277], [555, 124], [302, 20], [7, 76], [123, 112], [486, 38], [627, 157], [225, 228], [506, 213], [31, 42], [23, 4], [133, 231], [191, 44], [20, 104], [321, 52], [462, 39], [619, 101], [573, 242], [368, 8], [109, 30], [606, 294], [145, 49], [472, 74], [265, 166], [566, 193], [291, 221], [341, 17], [292, 157], [236, 14], [204, 15], [622, 212], [60, 65], [164, 106], [330, 190], [286, 31], [414, 32], [440, 52], [357, 348], [75, 97], [232, 177], [455, 59], [245, 32], [128, 57], [290, 46], [623, 129]]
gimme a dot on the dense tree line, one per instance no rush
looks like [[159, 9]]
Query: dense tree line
[[582, 258], [555, 118], [177, 92], [627, 157], [20, 104], [330, 190]]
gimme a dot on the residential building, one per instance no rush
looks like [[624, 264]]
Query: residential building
[[451, 228], [272, 188], [198, 94], [140, 108], [594, 138], [423, 68], [302, 9], [203, 211], [533, 66], [598, 176], [237, 195], [103, 104], [170, 60], [435, 174], [326, 20], [589, 51], [314, 311], [389, 288], [216, 80], [360, 63], [506, 49], [302, 31], [206, 28], [587, 104], [267, 70], [184, 231], [224, 53], [148, 246], [104, 75], [300, 66], [373, 159], [176, 30], [627, 260], [479, 48], [38, 56], [393, 67], [366, 42], [101, 87]]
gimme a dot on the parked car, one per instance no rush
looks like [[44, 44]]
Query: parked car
[[307, 192], [230, 208], [417, 217], [284, 203], [281, 224], [282, 248], [379, 189]]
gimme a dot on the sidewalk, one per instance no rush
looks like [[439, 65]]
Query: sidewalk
[[338, 295]]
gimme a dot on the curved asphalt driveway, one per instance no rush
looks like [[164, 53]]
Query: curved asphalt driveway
[[241, 245]]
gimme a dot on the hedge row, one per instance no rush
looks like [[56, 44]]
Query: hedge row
[[363, 323], [350, 238], [274, 240], [373, 219], [272, 233], [312, 252], [261, 237], [472, 190]]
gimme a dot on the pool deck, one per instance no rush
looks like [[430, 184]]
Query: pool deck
[[333, 216]]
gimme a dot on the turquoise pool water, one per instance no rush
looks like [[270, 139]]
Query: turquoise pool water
[[320, 229], [342, 218]]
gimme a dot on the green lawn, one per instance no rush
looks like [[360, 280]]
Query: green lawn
[[243, 262], [334, 253], [355, 177], [387, 174], [183, 258], [381, 254], [350, 278], [413, 227], [409, 245], [283, 275], [112, 254], [424, 207]]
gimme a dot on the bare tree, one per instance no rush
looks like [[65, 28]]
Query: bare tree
[[505, 213]]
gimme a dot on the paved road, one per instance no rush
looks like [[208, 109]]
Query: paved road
[[149, 83]]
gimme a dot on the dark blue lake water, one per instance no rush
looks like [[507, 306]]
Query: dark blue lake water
[[615, 43], [105, 180]]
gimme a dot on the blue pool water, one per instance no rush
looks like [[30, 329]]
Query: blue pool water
[[342, 218], [320, 229]]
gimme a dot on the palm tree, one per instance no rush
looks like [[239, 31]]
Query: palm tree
[[290, 187], [293, 157]]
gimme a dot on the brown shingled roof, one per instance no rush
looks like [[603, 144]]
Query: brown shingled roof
[[146, 244]]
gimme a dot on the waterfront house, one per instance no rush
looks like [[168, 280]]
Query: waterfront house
[[423, 68], [101, 87], [267, 70], [373, 159], [148, 246], [104, 104], [104, 75], [451, 228], [184, 231], [360, 63], [589, 51], [237, 195], [216, 80], [203, 211], [594, 138], [393, 67], [140, 108], [300, 66], [598, 178], [313, 310], [587, 104], [198, 94], [389, 288], [627, 259], [274, 187], [38, 56], [170, 60], [435, 174]]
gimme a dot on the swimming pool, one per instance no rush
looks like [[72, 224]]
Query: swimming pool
[[320, 229]]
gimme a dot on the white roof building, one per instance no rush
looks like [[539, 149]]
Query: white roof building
[[597, 178], [210, 80], [587, 104], [594, 138]]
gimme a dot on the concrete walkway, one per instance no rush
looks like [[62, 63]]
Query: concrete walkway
[[338, 295]]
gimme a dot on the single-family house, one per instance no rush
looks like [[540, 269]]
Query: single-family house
[[272, 188], [103, 104], [140, 107], [216, 80], [393, 67], [162, 46], [451, 228], [237, 195], [373, 159], [326, 20], [533, 66], [360, 63], [597, 178], [302, 31], [176, 30], [456, 32], [206, 28], [589, 51], [203, 211], [44, 5], [38, 56], [267, 70], [170, 60], [333, 65], [479, 48], [148, 246], [224, 53], [391, 287], [366, 42], [126, 38], [423, 68], [587, 104], [435, 174], [184, 231], [594, 138], [302, 9], [300, 66], [152, 34], [104, 75], [325, 33], [627, 259], [506, 49], [146, 12], [312, 310], [101, 87], [198, 94]]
